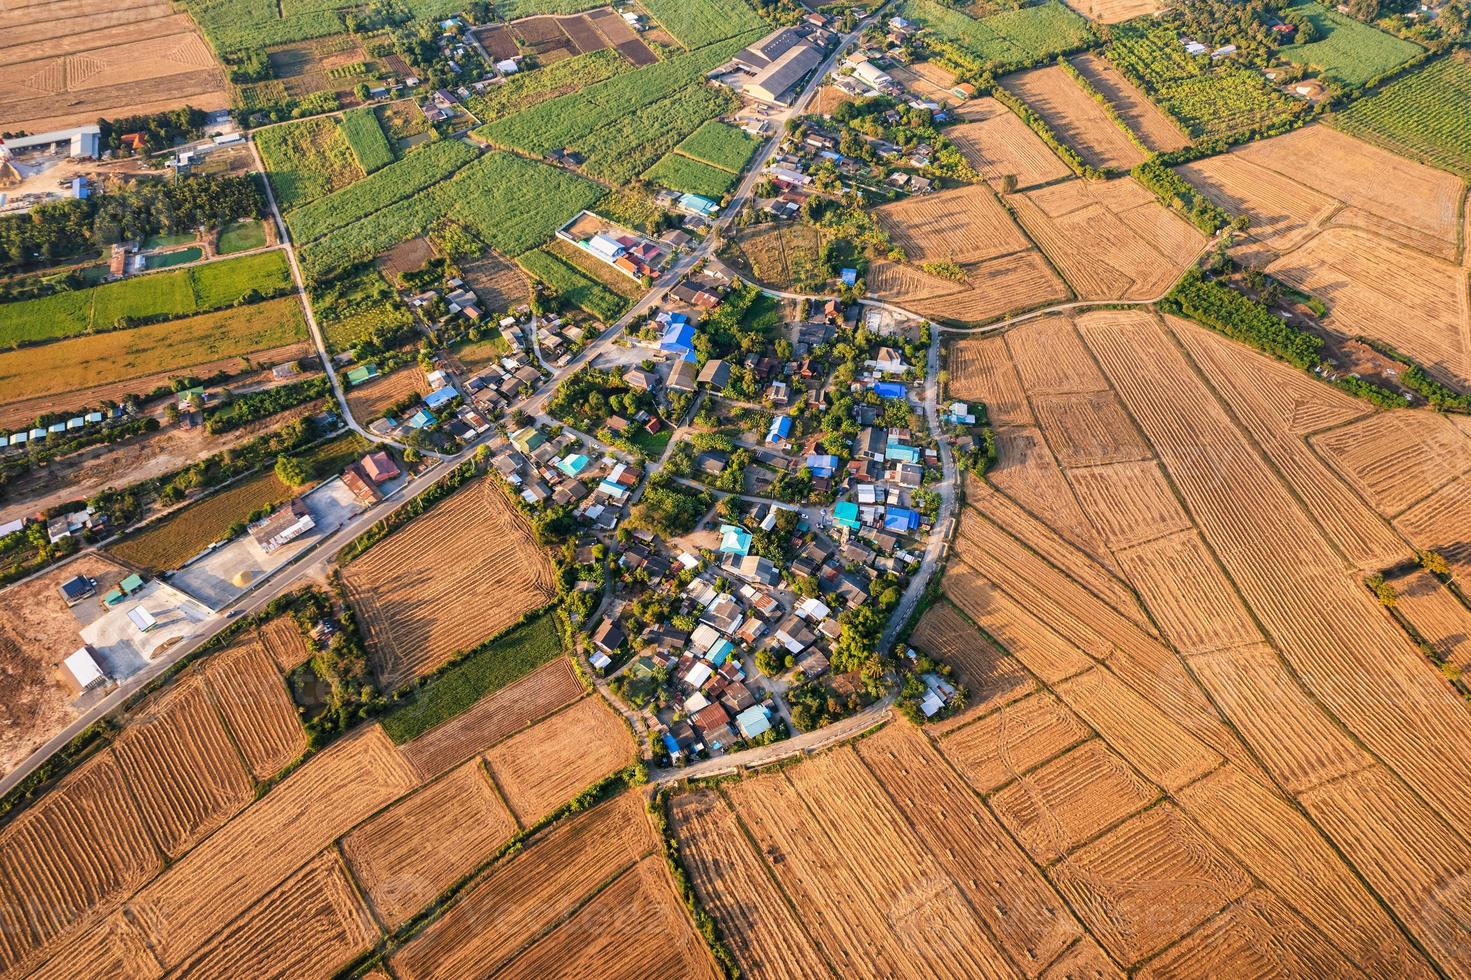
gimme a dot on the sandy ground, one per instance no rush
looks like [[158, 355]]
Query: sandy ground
[[37, 630]]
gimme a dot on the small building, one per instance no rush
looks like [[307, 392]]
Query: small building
[[122, 590], [79, 672], [845, 514], [889, 389], [734, 540], [379, 467], [901, 520], [754, 721], [698, 204], [74, 590], [715, 373], [684, 376], [285, 525], [781, 428], [440, 397], [362, 374], [360, 486], [609, 636], [142, 619]]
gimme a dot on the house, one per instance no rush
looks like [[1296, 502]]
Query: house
[[870, 444], [889, 361], [285, 525], [362, 374], [605, 247], [715, 373], [79, 672], [360, 486], [641, 380], [754, 721], [74, 590], [901, 520], [753, 568], [440, 397], [379, 467], [734, 540], [609, 636], [679, 335], [890, 389], [122, 590], [781, 428], [822, 465], [684, 376]]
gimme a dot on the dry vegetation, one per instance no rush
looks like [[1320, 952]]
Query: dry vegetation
[[499, 283], [998, 144], [1071, 113], [245, 684], [558, 758], [1374, 235], [446, 582], [1115, 11], [64, 63], [1148, 121], [370, 400]]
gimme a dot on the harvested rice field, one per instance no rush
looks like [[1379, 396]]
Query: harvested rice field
[[1147, 121], [1071, 113], [999, 145]]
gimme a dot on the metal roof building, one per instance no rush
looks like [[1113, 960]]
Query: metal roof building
[[773, 82]]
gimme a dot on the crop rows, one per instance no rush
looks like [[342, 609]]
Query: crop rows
[[1423, 115], [420, 169], [620, 151], [365, 136], [719, 145], [307, 160], [512, 203], [696, 23], [522, 91], [575, 287], [680, 173], [1009, 38], [235, 25], [1348, 50]]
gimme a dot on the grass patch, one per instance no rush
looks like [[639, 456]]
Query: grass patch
[[489, 667], [720, 145], [307, 160], [168, 241], [576, 288], [1348, 50], [365, 136], [242, 236], [1424, 115], [1006, 39], [696, 23], [182, 257]]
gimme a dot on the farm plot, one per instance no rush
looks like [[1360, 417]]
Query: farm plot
[[1384, 291], [1149, 882], [961, 226], [1024, 636], [875, 901], [1050, 358], [182, 768], [283, 641], [366, 138], [1072, 114], [696, 23], [981, 370], [996, 142], [213, 339], [990, 677], [1186, 593], [246, 859], [1115, 11], [633, 928], [1324, 623], [577, 287], [1130, 503], [175, 539], [520, 897], [1420, 115], [1088, 428], [1347, 50], [1017, 36], [112, 948], [554, 760], [1008, 284], [80, 848], [1396, 459], [1442, 523], [1028, 474], [494, 717], [1155, 129], [307, 160], [1278, 404], [1070, 799], [246, 686], [370, 400], [448, 581], [764, 932], [1281, 848], [65, 64], [1283, 213], [414, 850], [1437, 616], [313, 924], [1000, 747], [500, 284], [1111, 239], [680, 173]]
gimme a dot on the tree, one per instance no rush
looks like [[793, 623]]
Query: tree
[[1383, 591], [1434, 563], [293, 471], [767, 662]]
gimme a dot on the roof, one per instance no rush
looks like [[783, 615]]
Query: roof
[[889, 389], [846, 513], [573, 465], [83, 668], [901, 519], [777, 78], [379, 466], [78, 587], [440, 396], [781, 427], [753, 721], [734, 540], [679, 337], [142, 618], [360, 374], [682, 378]]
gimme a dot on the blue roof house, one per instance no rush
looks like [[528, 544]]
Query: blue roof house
[[822, 465], [679, 337], [901, 519], [734, 540], [753, 721], [897, 452], [441, 396], [781, 427], [573, 465], [699, 204], [888, 389], [845, 514], [420, 419], [720, 653]]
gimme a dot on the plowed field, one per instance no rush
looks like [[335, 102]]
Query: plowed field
[[247, 688], [998, 144], [1148, 122]]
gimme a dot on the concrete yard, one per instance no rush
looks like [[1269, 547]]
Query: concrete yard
[[123, 649]]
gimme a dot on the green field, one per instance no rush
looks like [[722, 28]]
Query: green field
[[365, 136], [242, 237], [720, 145], [1347, 50], [609, 119], [490, 667], [510, 203], [1209, 101], [1424, 115], [1006, 39], [405, 178], [183, 256], [307, 160], [578, 289], [167, 294], [696, 23], [529, 88], [168, 241], [358, 307], [680, 173]]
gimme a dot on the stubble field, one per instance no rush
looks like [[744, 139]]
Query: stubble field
[[448, 581], [1071, 113]]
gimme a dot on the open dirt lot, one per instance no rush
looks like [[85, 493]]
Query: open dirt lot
[[446, 582], [1072, 114], [37, 632], [65, 63], [501, 285]]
